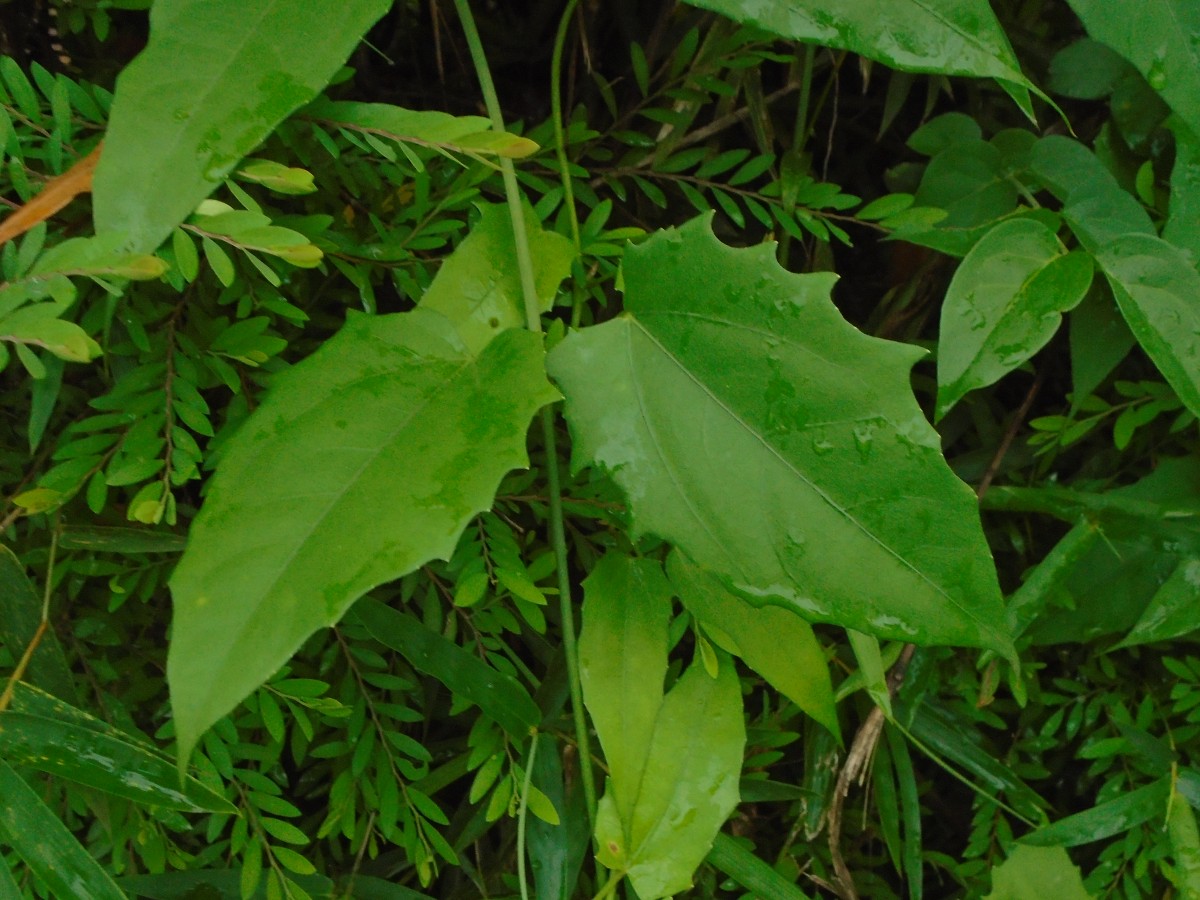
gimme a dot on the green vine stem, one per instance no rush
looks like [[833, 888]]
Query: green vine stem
[[523, 813], [533, 321], [560, 150]]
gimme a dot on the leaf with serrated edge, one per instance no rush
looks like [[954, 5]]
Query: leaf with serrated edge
[[1004, 304], [364, 462], [774, 444]]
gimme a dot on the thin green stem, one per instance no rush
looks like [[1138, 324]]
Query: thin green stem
[[560, 150], [523, 811], [558, 539], [800, 130]]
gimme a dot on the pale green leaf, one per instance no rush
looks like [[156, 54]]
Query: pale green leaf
[[775, 642], [1156, 287], [687, 790], [364, 462], [951, 37], [39, 838], [1004, 304], [214, 80], [1034, 873], [622, 664], [430, 128], [1185, 847], [756, 430], [478, 287]]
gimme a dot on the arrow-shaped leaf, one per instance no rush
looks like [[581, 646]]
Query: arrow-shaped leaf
[[751, 426], [364, 462]]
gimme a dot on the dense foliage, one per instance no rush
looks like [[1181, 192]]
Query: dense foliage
[[298, 536]]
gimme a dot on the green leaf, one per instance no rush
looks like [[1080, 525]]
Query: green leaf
[[364, 462], [1158, 37], [200, 883], [214, 80], [753, 428], [428, 128], [479, 289], [500, 696], [1183, 224], [101, 761], [1099, 339], [29, 827], [687, 788], [751, 872], [1094, 204], [1156, 288], [1004, 304], [116, 539], [776, 643], [1172, 610], [1114, 816], [952, 37], [1185, 846], [20, 614], [622, 664], [1034, 873]]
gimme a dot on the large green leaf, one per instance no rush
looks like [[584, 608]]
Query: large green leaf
[[365, 461], [622, 664], [953, 37], [1183, 224], [215, 79], [39, 838], [775, 642], [1159, 38], [756, 430], [1004, 304], [1156, 287]]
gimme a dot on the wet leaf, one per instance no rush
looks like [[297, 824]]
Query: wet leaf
[[1162, 46], [101, 761], [29, 827], [1185, 846], [1156, 288], [1172, 610], [214, 80], [364, 461], [953, 37], [753, 428], [1004, 304]]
